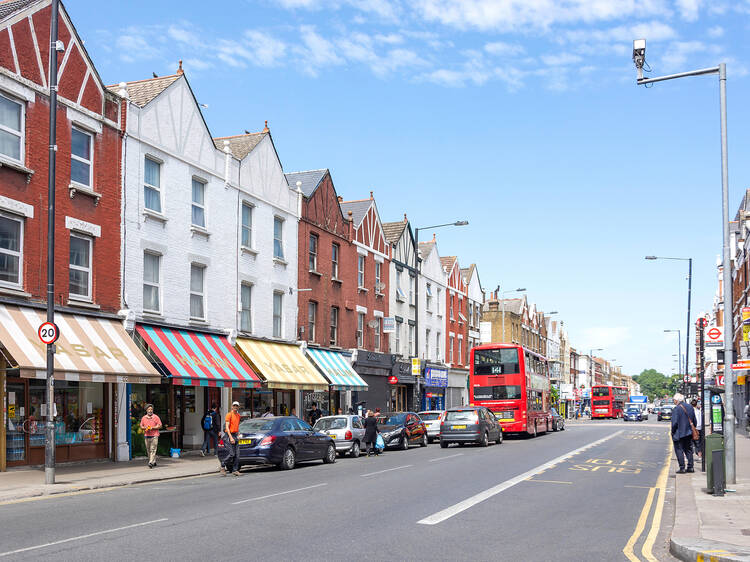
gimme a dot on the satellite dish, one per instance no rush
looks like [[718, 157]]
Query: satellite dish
[[379, 287], [373, 324]]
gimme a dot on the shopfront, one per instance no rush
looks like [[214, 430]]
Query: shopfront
[[342, 378], [290, 383], [404, 396], [196, 366], [435, 385], [457, 392], [374, 369], [93, 354]]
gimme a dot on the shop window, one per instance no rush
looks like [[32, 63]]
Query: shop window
[[278, 301], [247, 225], [81, 157], [11, 250], [79, 281], [78, 412], [151, 284], [246, 319], [152, 185], [11, 129], [197, 282], [198, 213]]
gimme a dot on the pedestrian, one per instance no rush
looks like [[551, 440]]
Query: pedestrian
[[698, 444], [232, 430], [371, 433], [267, 413], [210, 424], [340, 412], [151, 424], [315, 414], [683, 425], [294, 412]]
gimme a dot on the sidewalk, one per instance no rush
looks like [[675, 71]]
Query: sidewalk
[[29, 482], [708, 527]]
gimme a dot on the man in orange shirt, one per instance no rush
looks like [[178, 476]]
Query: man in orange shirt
[[151, 424], [232, 429]]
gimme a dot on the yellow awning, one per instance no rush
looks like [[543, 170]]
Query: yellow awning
[[281, 365]]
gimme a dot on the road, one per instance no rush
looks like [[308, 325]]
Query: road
[[596, 491]]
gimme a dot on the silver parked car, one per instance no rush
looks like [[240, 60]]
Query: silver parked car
[[432, 419], [347, 431]]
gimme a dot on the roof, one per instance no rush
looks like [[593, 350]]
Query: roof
[[513, 306], [240, 145], [468, 272], [393, 230], [358, 208], [8, 7], [425, 248], [310, 180], [141, 92], [447, 262]]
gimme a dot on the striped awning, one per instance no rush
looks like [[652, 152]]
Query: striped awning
[[88, 349], [336, 369], [198, 358], [281, 365]]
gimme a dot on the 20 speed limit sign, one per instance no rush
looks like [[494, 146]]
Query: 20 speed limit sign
[[48, 333]]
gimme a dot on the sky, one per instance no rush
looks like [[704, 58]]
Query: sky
[[520, 116]]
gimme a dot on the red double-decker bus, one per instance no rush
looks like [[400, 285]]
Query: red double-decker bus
[[514, 384], [608, 401]]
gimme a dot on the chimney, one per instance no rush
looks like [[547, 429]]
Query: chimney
[[179, 69], [266, 129], [405, 219], [434, 238], [371, 197]]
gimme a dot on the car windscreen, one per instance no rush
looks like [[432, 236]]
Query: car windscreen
[[330, 423], [394, 419], [461, 415], [496, 361], [256, 425], [634, 411], [430, 416], [498, 392]]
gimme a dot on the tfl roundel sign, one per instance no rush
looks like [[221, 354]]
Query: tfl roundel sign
[[715, 337], [48, 333]]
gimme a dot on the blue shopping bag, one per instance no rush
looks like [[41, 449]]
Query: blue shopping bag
[[379, 443]]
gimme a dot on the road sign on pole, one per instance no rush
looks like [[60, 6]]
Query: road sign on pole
[[715, 337], [48, 333]]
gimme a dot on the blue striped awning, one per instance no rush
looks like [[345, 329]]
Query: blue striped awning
[[336, 369]]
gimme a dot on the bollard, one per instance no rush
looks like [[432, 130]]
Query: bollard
[[717, 460]]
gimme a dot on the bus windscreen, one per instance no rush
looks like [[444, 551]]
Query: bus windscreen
[[496, 362], [499, 392]]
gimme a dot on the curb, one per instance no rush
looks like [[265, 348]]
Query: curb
[[702, 550]]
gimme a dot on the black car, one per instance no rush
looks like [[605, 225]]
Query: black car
[[632, 414], [282, 441], [401, 429], [558, 422], [470, 424], [665, 413]]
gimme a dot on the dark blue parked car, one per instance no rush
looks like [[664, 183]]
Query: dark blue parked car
[[283, 441]]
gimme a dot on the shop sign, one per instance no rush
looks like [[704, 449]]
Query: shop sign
[[374, 359], [715, 337], [393, 379], [389, 325], [436, 377], [416, 366]]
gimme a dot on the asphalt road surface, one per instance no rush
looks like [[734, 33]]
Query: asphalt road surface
[[596, 491]]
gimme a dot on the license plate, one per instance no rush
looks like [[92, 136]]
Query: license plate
[[458, 427], [601, 410], [331, 436], [246, 441], [506, 420]]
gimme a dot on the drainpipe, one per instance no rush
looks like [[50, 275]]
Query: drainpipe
[[227, 161]]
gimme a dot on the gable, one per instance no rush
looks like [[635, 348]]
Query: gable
[[261, 174], [369, 233], [404, 248], [322, 207]]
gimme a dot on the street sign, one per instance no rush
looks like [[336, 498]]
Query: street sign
[[393, 379], [715, 337], [745, 323], [719, 380], [48, 333], [416, 367], [389, 325], [740, 367]]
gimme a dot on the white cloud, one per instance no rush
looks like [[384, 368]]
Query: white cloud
[[716, 31], [689, 9], [679, 53], [562, 59], [182, 35], [316, 52], [133, 46], [499, 48], [266, 50], [197, 64]]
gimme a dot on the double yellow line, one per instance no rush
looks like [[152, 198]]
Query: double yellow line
[[648, 544]]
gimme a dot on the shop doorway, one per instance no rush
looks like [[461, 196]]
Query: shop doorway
[[283, 402], [398, 399]]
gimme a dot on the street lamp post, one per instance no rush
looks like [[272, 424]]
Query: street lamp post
[[679, 351], [502, 300], [687, 335], [639, 58]]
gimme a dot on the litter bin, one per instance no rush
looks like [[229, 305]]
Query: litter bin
[[713, 441]]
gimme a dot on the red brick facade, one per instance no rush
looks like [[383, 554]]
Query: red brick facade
[[78, 81], [456, 315]]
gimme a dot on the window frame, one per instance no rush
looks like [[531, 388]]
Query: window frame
[[246, 311], [410, 340], [201, 206], [335, 254], [202, 294], [412, 281], [245, 227], [397, 333], [378, 331], [312, 252], [360, 330], [21, 220], [21, 134], [151, 283], [280, 221], [280, 314], [378, 276], [156, 188], [333, 335], [438, 337], [427, 333], [361, 265], [312, 316], [89, 270], [460, 351], [428, 297], [81, 159]]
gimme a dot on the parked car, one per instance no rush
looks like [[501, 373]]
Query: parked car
[[432, 419], [632, 414], [558, 422], [282, 441], [665, 413], [470, 424], [656, 410], [348, 432], [401, 429]]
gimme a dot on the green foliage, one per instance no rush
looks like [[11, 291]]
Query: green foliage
[[655, 385], [554, 396]]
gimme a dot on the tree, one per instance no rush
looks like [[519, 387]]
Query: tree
[[654, 384]]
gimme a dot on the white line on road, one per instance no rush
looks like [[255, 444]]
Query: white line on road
[[28, 548], [387, 470], [449, 512], [443, 458], [280, 493]]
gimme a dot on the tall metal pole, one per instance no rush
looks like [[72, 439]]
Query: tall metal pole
[[729, 458], [701, 343], [687, 337], [49, 446], [679, 356]]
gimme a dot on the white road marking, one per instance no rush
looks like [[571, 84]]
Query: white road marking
[[71, 539], [449, 512], [443, 458], [387, 470], [280, 493]]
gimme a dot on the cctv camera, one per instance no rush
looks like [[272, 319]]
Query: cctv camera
[[639, 55]]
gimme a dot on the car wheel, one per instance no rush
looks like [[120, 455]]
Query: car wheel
[[404, 442], [562, 427], [430, 440], [330, 454], [485, 440], [443, 444], [355, 450], [288, 460], [461, 443], [424, 441], [499, 439]]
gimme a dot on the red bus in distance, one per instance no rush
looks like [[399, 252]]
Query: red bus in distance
[[513, 383], [608, 401]]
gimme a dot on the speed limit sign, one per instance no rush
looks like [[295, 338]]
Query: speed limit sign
[[48, 333]]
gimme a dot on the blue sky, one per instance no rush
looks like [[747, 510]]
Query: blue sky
[[521, 116]]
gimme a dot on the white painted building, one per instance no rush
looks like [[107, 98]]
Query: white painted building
[[433, 282], [402, 287]]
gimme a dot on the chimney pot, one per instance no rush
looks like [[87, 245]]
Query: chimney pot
[[266, 129], [179, 69], [371, 196]]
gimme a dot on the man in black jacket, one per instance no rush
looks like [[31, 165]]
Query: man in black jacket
[[683, 421], [211, 434]]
